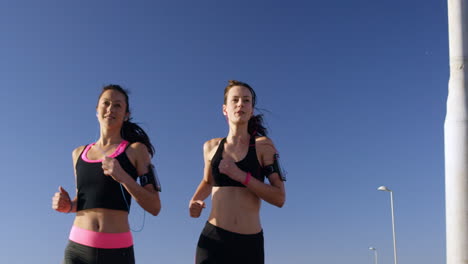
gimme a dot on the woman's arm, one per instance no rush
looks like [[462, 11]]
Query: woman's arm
[[61, 200], [273, 193], [147, 197], [197, 203]]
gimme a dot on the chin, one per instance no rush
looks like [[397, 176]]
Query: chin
[[240, 121]]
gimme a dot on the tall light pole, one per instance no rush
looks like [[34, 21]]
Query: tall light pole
[[383, 188], [456, 136], [375, 254]]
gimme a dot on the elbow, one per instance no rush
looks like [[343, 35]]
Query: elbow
[[281, 200], [280, 204], [155, 205], [155, 210], [155, 213]]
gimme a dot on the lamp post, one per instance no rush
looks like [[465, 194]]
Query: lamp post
[[375, 254], [384, 188], [456, 136]]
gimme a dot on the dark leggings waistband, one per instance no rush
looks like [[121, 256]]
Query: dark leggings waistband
[[80, 254], [217, 245], [221, 232]]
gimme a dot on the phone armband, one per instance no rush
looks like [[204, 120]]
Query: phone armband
[[151, 177], [275, 167]]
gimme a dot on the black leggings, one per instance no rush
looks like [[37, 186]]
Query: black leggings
[[80, 254], [219, 246]]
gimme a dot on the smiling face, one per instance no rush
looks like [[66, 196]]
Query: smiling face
[[112, 109], [238, 106]]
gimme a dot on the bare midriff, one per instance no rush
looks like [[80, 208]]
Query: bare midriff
[[102, 220], [235, 209]]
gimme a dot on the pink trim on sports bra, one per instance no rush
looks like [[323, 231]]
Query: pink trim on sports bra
[[100, 240], [119, 150]]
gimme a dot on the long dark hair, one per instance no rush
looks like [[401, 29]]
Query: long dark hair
[[130, 131], [255, 126]]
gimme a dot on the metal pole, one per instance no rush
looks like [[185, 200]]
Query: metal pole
[[456, 136], [393, 228], [375, 254]]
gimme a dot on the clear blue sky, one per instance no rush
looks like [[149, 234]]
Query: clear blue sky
[[354, 94]]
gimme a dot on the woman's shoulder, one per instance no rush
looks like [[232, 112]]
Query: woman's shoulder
[[138, 155], [137, 149], [211, 144], [265, 144], [137, 146], [263, 141], [77, 151]]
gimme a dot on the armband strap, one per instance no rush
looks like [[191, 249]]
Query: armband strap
[[150, 178], [275, 167]]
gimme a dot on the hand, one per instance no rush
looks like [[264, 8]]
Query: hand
[[61, 201], [228, 166], [111, 167], [196, 207]]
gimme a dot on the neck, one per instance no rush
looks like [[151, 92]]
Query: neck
[[109, 137], [238, 134]]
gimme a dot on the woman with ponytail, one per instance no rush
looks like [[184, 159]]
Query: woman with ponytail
[[106, 172], [235, 169]]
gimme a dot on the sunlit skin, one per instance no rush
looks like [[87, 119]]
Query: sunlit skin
[[111, 113], [234, 208]]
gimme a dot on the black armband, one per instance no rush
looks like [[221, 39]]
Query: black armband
[[151, 178], [275, 167]]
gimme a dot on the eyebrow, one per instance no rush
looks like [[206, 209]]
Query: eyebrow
[[117, 101]]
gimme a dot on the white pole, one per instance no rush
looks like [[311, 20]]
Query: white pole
[[375, 254], [385, 189], [393, 228], [456, 136]]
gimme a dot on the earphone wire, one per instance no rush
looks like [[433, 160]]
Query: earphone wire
[[122, 190]]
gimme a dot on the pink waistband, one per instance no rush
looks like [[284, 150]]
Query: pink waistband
[[100, 240]]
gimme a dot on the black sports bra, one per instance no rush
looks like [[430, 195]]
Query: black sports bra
[[96, 190], [248, 164]]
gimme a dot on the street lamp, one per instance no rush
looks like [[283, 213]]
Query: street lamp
[[384, 188], [375, 254]]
